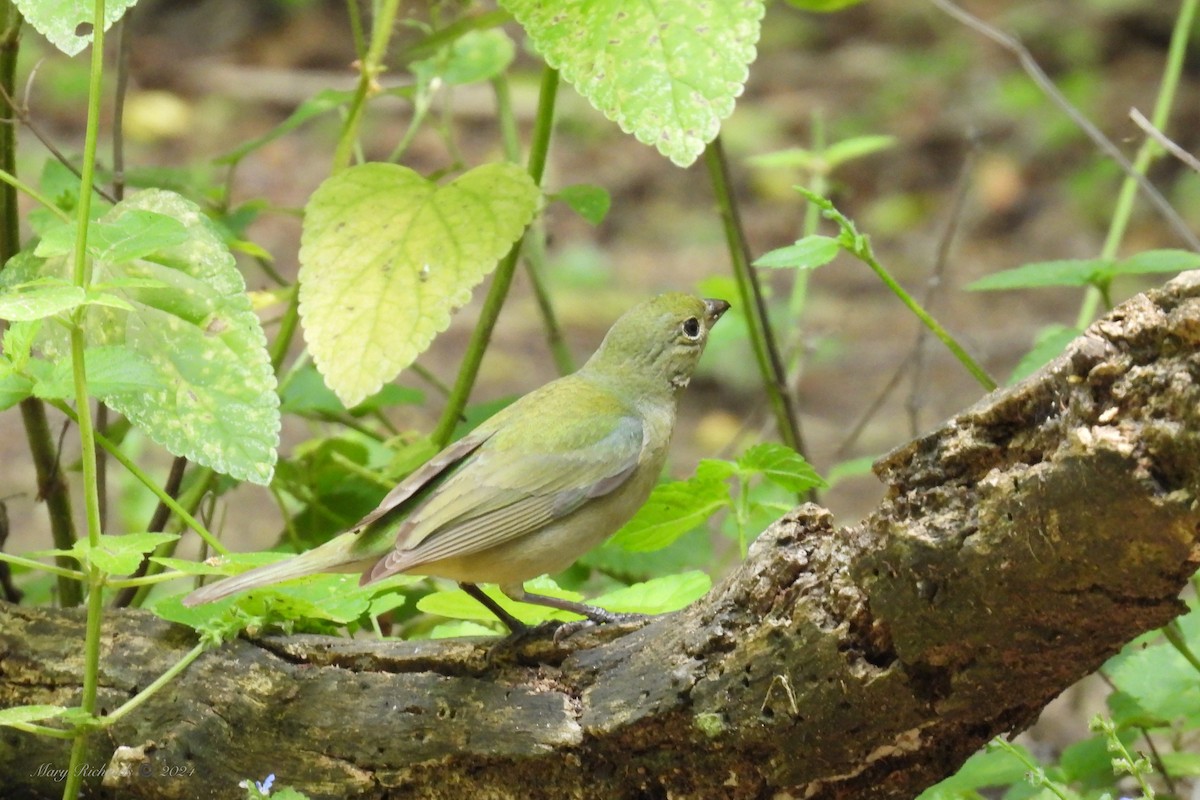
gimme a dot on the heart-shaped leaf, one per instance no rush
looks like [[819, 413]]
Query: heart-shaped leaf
[[668, 72], [387, 255]]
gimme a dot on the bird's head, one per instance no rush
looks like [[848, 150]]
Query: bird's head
[[657, 343]]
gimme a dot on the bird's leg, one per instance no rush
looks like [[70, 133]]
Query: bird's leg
[[514, 625], [599, 616]]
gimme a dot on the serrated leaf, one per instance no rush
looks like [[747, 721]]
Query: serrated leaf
[[13, 388], [587, 200], [1048, 344], [191, 320], [1160, 679], [38, 299], [667, 72], [20, 714], [673, 509], [113, 239], [387, 255], [781, 465], [657, 596], [808, 253], [18, 342], [64, 22], [120, 555], [985, 768]]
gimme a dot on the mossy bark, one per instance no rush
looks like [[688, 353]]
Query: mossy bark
[[1018, 547]]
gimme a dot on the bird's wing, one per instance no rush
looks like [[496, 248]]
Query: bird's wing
[[420, 478], [516, 483]]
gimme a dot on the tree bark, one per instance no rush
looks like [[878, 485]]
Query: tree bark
[[1018, 547]]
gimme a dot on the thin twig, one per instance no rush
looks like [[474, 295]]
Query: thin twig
[[1163, 140], [158, 523], [1039, 77]]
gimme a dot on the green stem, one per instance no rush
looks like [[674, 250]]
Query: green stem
[[753, 306], [159, 682], [42, 730], [146, 580], [287, 330], [538, 149], [979, 373], [63, 572], [1174, 635], [7, 177], [369, 69], [535, 238], [1147, 152], [91, 496], [124, 460]]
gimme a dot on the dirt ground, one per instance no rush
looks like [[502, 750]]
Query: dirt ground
[[209, 74]]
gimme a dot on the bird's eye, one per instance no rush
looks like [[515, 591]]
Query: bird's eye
[[691, 328]]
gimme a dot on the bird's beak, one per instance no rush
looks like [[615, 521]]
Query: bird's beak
[[713, 309]]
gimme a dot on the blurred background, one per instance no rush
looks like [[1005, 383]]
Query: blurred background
[[980, 167]]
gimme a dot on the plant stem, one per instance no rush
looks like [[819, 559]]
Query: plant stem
[[502, 279], [149, 483], [159, 682], [535, 239], [287, 329], [753, 306], [1147, 152], [51, 486], [369, 69], [11, 180], [65, 572], [91, 496]]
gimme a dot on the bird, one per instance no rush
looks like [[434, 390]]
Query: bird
[[536, 485]]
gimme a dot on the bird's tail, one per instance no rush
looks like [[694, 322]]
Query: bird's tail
[[337, 555]]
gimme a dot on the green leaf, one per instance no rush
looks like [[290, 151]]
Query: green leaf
[[781, 465], [40, 298], [121, 554], [985, 768], [1071, 272], [1152, 261], [386, 256], [667, 72], [822, 6], [1159, 679], [587, 200], [853, 468], [1089, 762], [460, 628], [112, 370], [305, 392], [192, 321], [658, 595], [808, 253], [846, 150], [133, 234], [457, 604], [1049, 343], [471, 58], [13, 388], [20, 714], [675, 508], [67, 23], [1181, 764], [321, 103], [18, 342]]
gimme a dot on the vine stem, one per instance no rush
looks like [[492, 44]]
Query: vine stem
[[766, 352], [87, 434], [1147, 152], [539, 147], [369, 69]]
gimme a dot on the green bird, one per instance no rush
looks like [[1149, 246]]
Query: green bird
[[538, 484]]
